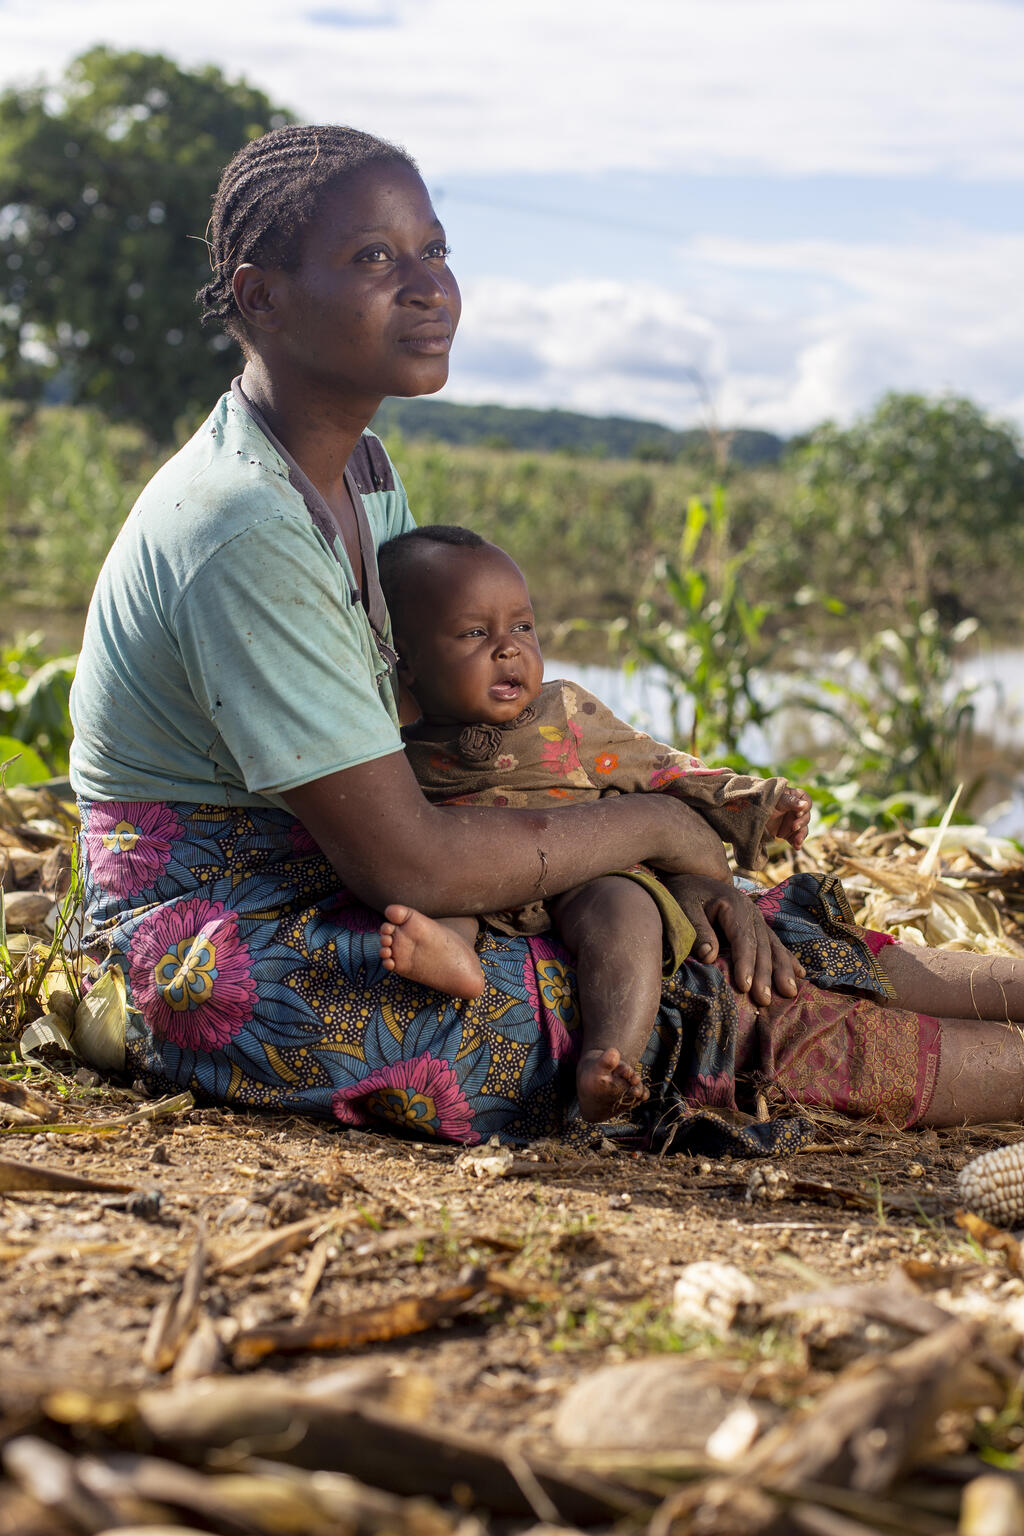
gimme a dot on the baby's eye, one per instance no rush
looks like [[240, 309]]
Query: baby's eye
[[472, 634], [525, 626]]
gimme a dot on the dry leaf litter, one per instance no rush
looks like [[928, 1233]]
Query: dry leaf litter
[[237, 1324]]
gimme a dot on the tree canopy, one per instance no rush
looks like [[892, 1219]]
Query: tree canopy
[[917, 476], [105, 188]]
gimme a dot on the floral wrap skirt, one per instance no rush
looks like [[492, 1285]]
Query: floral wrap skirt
[[255, 981]]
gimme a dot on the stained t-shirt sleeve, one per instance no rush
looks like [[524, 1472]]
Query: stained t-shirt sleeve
[[279, 659], [400, 518]]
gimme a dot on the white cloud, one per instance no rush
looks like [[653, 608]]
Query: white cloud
[[879, 317], [598, 346], [787, 332], [790, 86]]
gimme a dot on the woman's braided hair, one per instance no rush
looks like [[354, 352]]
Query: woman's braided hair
[[268, 194]]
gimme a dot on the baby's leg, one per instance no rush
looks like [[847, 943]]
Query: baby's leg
[[614, 930], [437, 952]]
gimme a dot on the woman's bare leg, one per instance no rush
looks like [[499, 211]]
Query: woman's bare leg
[[436, 952], [613, 929], [978, 1000], [953, 984], [981, 1074]]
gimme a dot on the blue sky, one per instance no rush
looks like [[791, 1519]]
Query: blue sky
[[807, 201]]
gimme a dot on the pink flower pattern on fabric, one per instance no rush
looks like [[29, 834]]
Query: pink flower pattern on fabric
[[189, 972], [561, 755], [769, 903], [346, 908], [662, 776], [128, 844], [716, 1090], [421, 1094], [549, 989], [301, 840]]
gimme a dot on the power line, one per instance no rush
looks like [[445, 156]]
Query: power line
[[570, 215]]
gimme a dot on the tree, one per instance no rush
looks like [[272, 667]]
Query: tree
[[913, 498], [105, 190]]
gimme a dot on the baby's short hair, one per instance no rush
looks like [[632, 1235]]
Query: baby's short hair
[[396, 558]]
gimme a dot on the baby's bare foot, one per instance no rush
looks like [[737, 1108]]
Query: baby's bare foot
[[605, 1084], [428, 952]]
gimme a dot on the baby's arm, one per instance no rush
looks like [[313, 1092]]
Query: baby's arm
[[744, 811]]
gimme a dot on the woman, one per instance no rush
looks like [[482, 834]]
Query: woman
[[248, 810]]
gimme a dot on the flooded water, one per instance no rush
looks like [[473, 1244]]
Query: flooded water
[[643, 698]]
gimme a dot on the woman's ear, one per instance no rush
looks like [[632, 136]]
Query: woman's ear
[[408, 708], [408, 705], [405, 673], [256, 291]]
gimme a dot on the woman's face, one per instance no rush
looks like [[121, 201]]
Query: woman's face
[[372, 308]]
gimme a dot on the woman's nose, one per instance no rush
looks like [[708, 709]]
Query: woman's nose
[[423, 286]]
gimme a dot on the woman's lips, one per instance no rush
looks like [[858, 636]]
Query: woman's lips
[[432, 345]]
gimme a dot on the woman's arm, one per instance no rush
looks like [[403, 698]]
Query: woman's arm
[[389, 844]]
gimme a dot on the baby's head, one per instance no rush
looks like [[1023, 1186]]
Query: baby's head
[[463, 626]]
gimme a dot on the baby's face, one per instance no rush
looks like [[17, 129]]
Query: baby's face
[[469, 647]]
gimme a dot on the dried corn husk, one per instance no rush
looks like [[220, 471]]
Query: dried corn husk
[[47, 1036], [100, 1021], [943, 917], [998, 852], [991, 1506], [715, 1297], [898, 891]]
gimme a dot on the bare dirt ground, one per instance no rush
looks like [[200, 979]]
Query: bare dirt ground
[[601, 1239], [525, 1274], [265, 1326]]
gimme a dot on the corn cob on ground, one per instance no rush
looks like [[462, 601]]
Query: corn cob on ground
[[993, 1185]]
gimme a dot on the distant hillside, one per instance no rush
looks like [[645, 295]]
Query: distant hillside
[[617, 437]]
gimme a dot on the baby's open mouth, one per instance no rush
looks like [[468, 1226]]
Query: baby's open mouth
[[509, 688]]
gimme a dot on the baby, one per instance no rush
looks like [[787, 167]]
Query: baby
[[492, 732]]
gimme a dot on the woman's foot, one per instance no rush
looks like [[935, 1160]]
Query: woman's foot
[[605, 1084], [426, 951]]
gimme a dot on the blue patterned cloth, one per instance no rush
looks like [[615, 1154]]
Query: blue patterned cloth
[[255, 981]]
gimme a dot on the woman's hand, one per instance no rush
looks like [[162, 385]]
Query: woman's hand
[[758, 960]]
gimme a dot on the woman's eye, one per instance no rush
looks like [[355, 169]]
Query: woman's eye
[[375, 253], [438, 251]]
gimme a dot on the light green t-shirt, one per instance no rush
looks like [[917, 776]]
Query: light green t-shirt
[[226, 658]]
